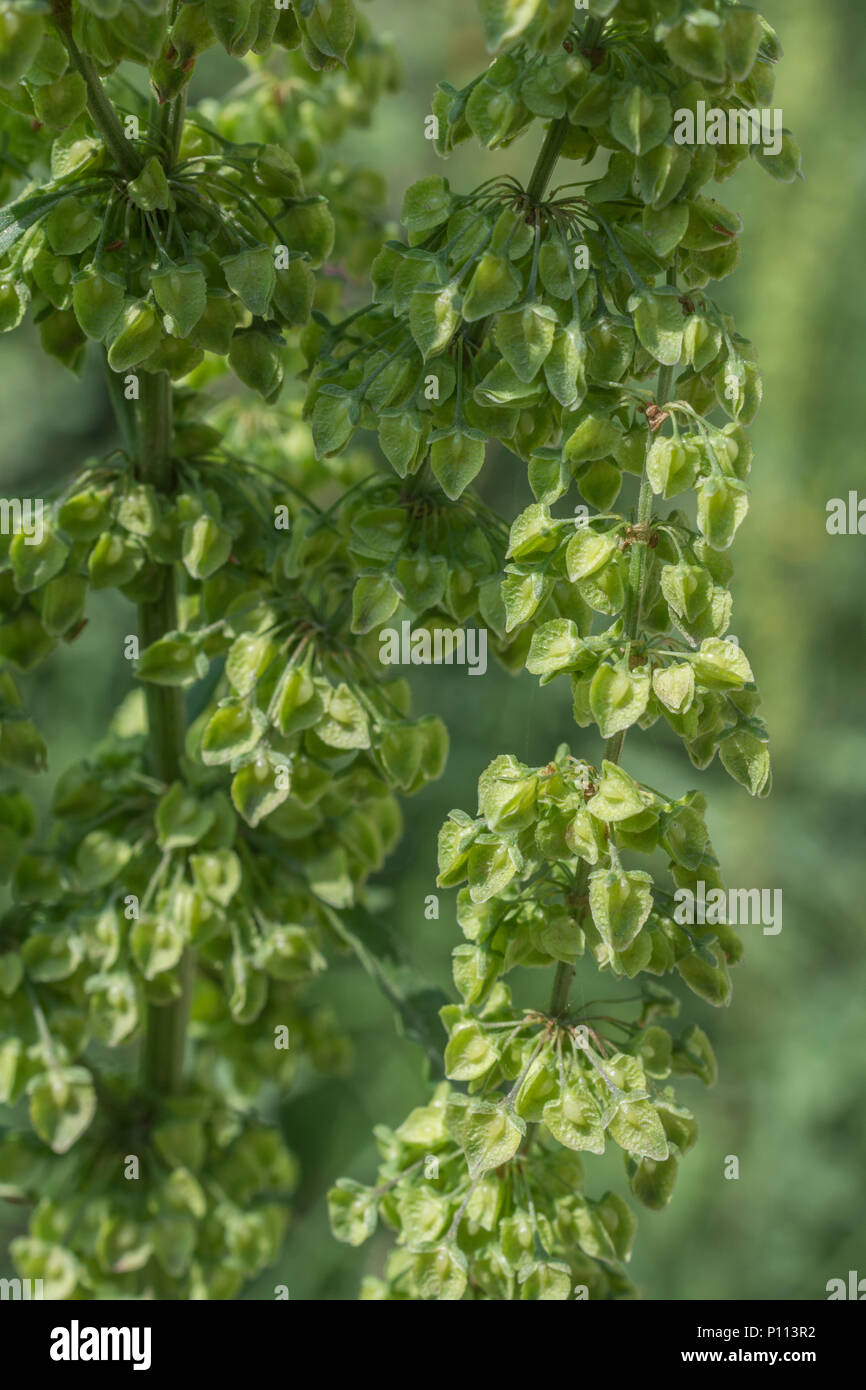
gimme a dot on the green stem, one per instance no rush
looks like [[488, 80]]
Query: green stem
[[549, 154], [102, 112], [544, 167], [637, 570], [166, 1024]]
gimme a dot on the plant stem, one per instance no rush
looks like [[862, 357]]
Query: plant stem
[[166, 1024], [544, 167], [546, 161], [637, 571], [102, 112]]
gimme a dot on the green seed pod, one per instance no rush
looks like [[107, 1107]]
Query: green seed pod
[[640, 120], [206, 546], [177, 356], [181, 293], [97, 300], [50, 62], [60, 103], [402, 438], [688, 589], [494, 286], [114, 560], [287, 33], [293, 293], [277, 173], [662, 172], [742, 34], [620, 904], [309, 227], [335, 415], [525, 336], [696, 44], [35, 562], [556, 271], [191, 32], [257, 360], [14, 298], [784, 166], [24, 641], [331, 27], [456, 457], [215, 328], [62, 338], [611, 347], [617, 699], [150, 191], [722, 506], [63, 601], [434, 317], [230, 21], [53, 275], [138, 334], [672, 465], [600, 482], [83, 515], [71, 226], [20, 40], [250, 274]]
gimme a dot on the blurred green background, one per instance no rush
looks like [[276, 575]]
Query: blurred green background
[[789, 1101]]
